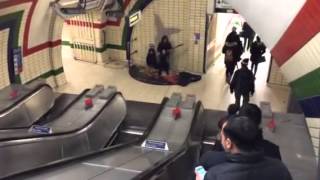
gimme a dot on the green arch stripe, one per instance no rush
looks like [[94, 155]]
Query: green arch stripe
[[307, 85]]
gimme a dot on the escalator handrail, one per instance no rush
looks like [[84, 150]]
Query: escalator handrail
[[40, 121], [163, 163], [35, 136], [75, 159], [36, 89], [67, 107]]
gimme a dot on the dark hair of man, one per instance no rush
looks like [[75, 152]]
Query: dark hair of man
[[258, 39], [164, 37], [232, 109], [243, 132], [252, 111]]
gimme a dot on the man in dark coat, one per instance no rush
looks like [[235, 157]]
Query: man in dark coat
[[234, 38], [248, 35], [229, 50], [164, 48], [242, 83], [244, 160], [257, 49]]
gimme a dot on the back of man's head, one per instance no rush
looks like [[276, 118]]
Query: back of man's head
[[232, 109], [242, 132], [258, 39], [252, 111]]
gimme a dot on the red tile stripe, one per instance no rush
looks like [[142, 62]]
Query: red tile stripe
[[303, 28], [26, 50]]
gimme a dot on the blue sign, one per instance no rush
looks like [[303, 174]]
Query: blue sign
[[40, 129], [17, 60], [155, 144]]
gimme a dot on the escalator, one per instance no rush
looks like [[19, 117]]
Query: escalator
[[23, 105], [75, 130], [137, 159]]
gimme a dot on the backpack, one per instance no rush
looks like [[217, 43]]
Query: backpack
[[229, 55]]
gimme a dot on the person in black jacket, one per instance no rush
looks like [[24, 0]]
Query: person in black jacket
[[257, 49], [232, 50], [151, 60], [244, 159], [234, 37], [254, 113], [230, 61], [164, 48], [242, 83], [218, 156], [248, 35]]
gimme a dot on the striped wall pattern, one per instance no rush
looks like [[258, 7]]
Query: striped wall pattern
[[39, 58]]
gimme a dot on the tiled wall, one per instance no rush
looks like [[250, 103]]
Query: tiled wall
[[180, 20], [41, 57], [4, 77], [115, 35], [314, 130], [86, 39], [275, 75], [212, 54]]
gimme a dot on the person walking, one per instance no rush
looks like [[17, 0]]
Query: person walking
[[230, 62], [257, 50], [242, 83], [248, 35]]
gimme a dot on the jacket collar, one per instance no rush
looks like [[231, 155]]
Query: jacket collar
[[248, 157]]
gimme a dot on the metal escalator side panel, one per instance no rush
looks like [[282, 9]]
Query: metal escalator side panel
[[21, 91], [29, 110], [179, 150], [109, 122], [40, 104], [81, 167], [76, 143]]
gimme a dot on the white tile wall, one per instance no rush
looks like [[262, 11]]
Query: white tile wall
[[4, 75], [314, 130], [40, 62], [276, 76], [60, 79], [188, 16], [35, 64]]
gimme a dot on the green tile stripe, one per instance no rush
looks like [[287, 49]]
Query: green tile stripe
[[135, 8], [54, 72], [307, 85], [17, 18], [89, 48]]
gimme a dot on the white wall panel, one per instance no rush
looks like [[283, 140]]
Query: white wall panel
[[4, 75], [304, 61], [269, 18]]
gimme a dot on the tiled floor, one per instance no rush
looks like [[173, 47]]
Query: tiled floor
[[211, 90]]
